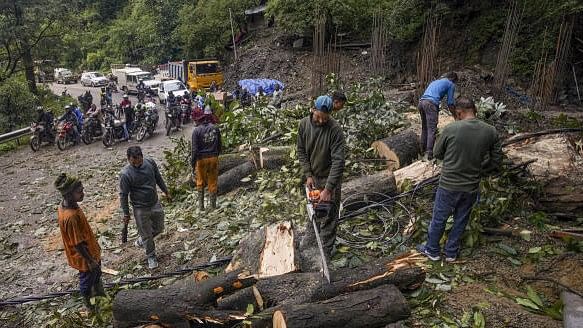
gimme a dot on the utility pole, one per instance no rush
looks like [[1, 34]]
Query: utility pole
[[233, 33]]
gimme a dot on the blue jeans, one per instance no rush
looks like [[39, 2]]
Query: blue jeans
[[460, 203], [88, 280]]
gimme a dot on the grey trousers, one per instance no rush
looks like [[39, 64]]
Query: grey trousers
[[327, 225], [150, 223], [429, 118]]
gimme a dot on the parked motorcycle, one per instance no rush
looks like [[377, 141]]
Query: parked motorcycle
[[92, 129], [65, 135], [40, 135], [173, 113], [148, 123], [114, 131]]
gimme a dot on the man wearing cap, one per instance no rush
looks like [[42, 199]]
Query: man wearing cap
[[338, 99], [429, 109], [469, 149], [138, 180], [81, 248], [206, 147], [320, 149]]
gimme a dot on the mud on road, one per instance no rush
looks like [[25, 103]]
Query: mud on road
[[31, 256]]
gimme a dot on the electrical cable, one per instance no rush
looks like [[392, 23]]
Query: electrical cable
[[179, 272]]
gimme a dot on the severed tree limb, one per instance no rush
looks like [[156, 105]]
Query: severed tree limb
[[530, 135]]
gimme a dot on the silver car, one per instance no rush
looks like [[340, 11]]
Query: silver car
[[94, 79]]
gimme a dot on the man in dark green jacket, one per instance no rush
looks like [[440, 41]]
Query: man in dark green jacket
[[469, 149], [321, 154]]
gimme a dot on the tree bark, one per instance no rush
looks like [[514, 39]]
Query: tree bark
[[359, 192], [229, 161], [400, 149], [298, 288], [267, 158], [414, 173], [268, 251], [180, 302], [371, 308]]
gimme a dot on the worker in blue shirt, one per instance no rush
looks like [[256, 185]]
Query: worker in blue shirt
[[429, 109]]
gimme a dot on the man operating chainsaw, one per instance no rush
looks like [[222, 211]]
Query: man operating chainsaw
[[321, 154]]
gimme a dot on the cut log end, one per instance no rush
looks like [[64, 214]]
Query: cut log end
[[279, 320], [399, 149]]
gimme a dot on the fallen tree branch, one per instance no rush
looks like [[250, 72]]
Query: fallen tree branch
[[525, 136], [554, 282]]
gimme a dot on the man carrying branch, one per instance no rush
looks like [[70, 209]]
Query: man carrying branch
[[320, 149], [469, 149]]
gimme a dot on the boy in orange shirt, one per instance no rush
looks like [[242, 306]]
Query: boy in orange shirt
[[81, 247]]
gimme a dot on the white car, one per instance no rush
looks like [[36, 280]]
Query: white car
[[178, 89], [94, 79]]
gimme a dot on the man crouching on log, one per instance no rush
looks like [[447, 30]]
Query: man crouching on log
[[469, 149], [321, 154]]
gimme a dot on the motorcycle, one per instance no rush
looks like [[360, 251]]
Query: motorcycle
[[91, 129], [172, 118], [65, 135], [114, 131], [147, 124], [185, 113], [39, 135]]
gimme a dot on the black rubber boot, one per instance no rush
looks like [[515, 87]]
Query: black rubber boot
[[214, 200], [201, 200]]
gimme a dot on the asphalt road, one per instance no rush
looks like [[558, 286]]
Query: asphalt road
[[75, 90]]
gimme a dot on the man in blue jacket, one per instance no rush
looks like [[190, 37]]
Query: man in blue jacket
[[429, 109]]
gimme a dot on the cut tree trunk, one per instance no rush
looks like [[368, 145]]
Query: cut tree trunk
[[359, 192], [400, 149], [402, 271], [557, 167], [371, 308], [276, 247], [267, 158], [180, 302], [414, 173], [229, 161]]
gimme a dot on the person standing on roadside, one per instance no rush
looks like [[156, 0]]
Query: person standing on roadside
[[81, 248], [469, 149], [429, 109], [206, 147], [138, 180]]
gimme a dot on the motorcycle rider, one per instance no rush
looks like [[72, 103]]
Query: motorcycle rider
[[70, 117], [79, 116], [45, 119], [105, 97], [128, 111], [171, 101]]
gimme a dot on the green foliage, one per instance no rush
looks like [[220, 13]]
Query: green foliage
[[17, 104], [204, 27], [177, 167], [535, 304]]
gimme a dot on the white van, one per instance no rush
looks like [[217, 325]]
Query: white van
[[177, 87]]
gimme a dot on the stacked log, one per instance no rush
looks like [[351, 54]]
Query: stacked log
[[365, 296]]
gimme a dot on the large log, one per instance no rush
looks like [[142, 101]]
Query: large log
[[267, 158], [371, 308], [358, 192], [403, 271], [179, 303], [276, 247], [400, 149], [414, 173], [557, 169], [229, 161]]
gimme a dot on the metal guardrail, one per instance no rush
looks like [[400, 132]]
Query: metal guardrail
[[14, 135]]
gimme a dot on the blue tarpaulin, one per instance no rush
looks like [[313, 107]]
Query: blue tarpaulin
[[268, 85]]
